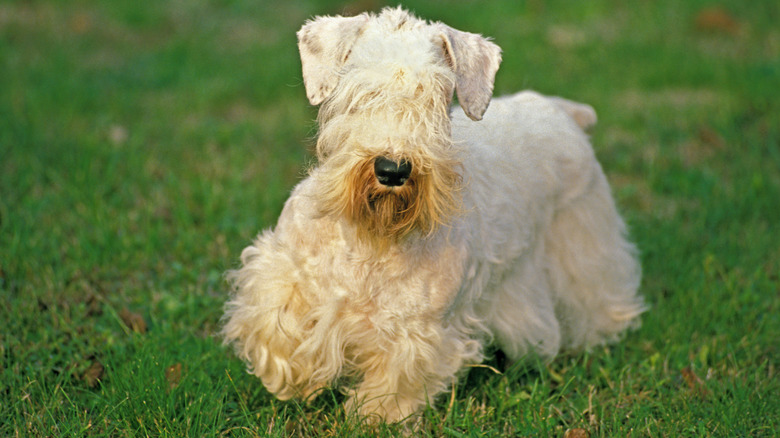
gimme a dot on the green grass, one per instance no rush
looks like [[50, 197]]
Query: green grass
[[144, 144]]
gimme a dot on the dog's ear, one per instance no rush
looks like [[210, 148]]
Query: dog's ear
[[475, 61], [325, 44]]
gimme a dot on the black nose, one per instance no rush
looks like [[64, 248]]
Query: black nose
[[390, 173]]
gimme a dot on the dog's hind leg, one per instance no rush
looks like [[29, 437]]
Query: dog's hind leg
[[593, 269]]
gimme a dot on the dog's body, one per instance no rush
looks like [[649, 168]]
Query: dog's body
[[498, 230]]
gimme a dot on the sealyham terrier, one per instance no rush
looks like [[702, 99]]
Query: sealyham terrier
[[426, 231]]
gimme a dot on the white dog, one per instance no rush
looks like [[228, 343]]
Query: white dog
[[422, 236]]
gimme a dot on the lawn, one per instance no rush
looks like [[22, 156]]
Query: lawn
[[144, 144]]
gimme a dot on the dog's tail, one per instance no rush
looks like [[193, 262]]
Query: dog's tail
[[582, 113]]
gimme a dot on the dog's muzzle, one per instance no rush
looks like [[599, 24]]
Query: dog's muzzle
[[390, 173]]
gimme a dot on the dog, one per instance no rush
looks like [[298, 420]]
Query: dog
[[428, 231]]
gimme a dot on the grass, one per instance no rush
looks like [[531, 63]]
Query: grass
[[142, 146]]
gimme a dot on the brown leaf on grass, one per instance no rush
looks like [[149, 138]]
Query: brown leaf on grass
[[709, 136], [94, 306], [80, 23], [715, 19], [576, 433], [173, 375], [695, 383], [93, 374], [290, 427], [132, 320]]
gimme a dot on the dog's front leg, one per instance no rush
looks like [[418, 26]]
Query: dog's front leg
[[386, 395], [275, 324], [403, 374]]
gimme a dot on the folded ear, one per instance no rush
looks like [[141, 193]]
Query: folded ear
[[475, 61], [325, 44]]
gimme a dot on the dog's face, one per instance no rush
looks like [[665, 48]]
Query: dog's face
[[385, 84]]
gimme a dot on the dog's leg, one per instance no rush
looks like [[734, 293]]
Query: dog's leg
[[386, 394], [406, 373], [521, 314], [593, 269], [270, 321]]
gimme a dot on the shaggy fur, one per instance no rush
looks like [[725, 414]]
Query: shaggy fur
[[505, 231]]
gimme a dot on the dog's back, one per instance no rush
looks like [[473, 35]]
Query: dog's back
[[551, 268]]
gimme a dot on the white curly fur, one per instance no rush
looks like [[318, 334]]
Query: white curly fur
[[506, 231]]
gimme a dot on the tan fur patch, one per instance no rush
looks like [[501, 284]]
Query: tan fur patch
[[384, 215]]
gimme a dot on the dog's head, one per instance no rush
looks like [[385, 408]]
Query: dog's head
[[385, 83]]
